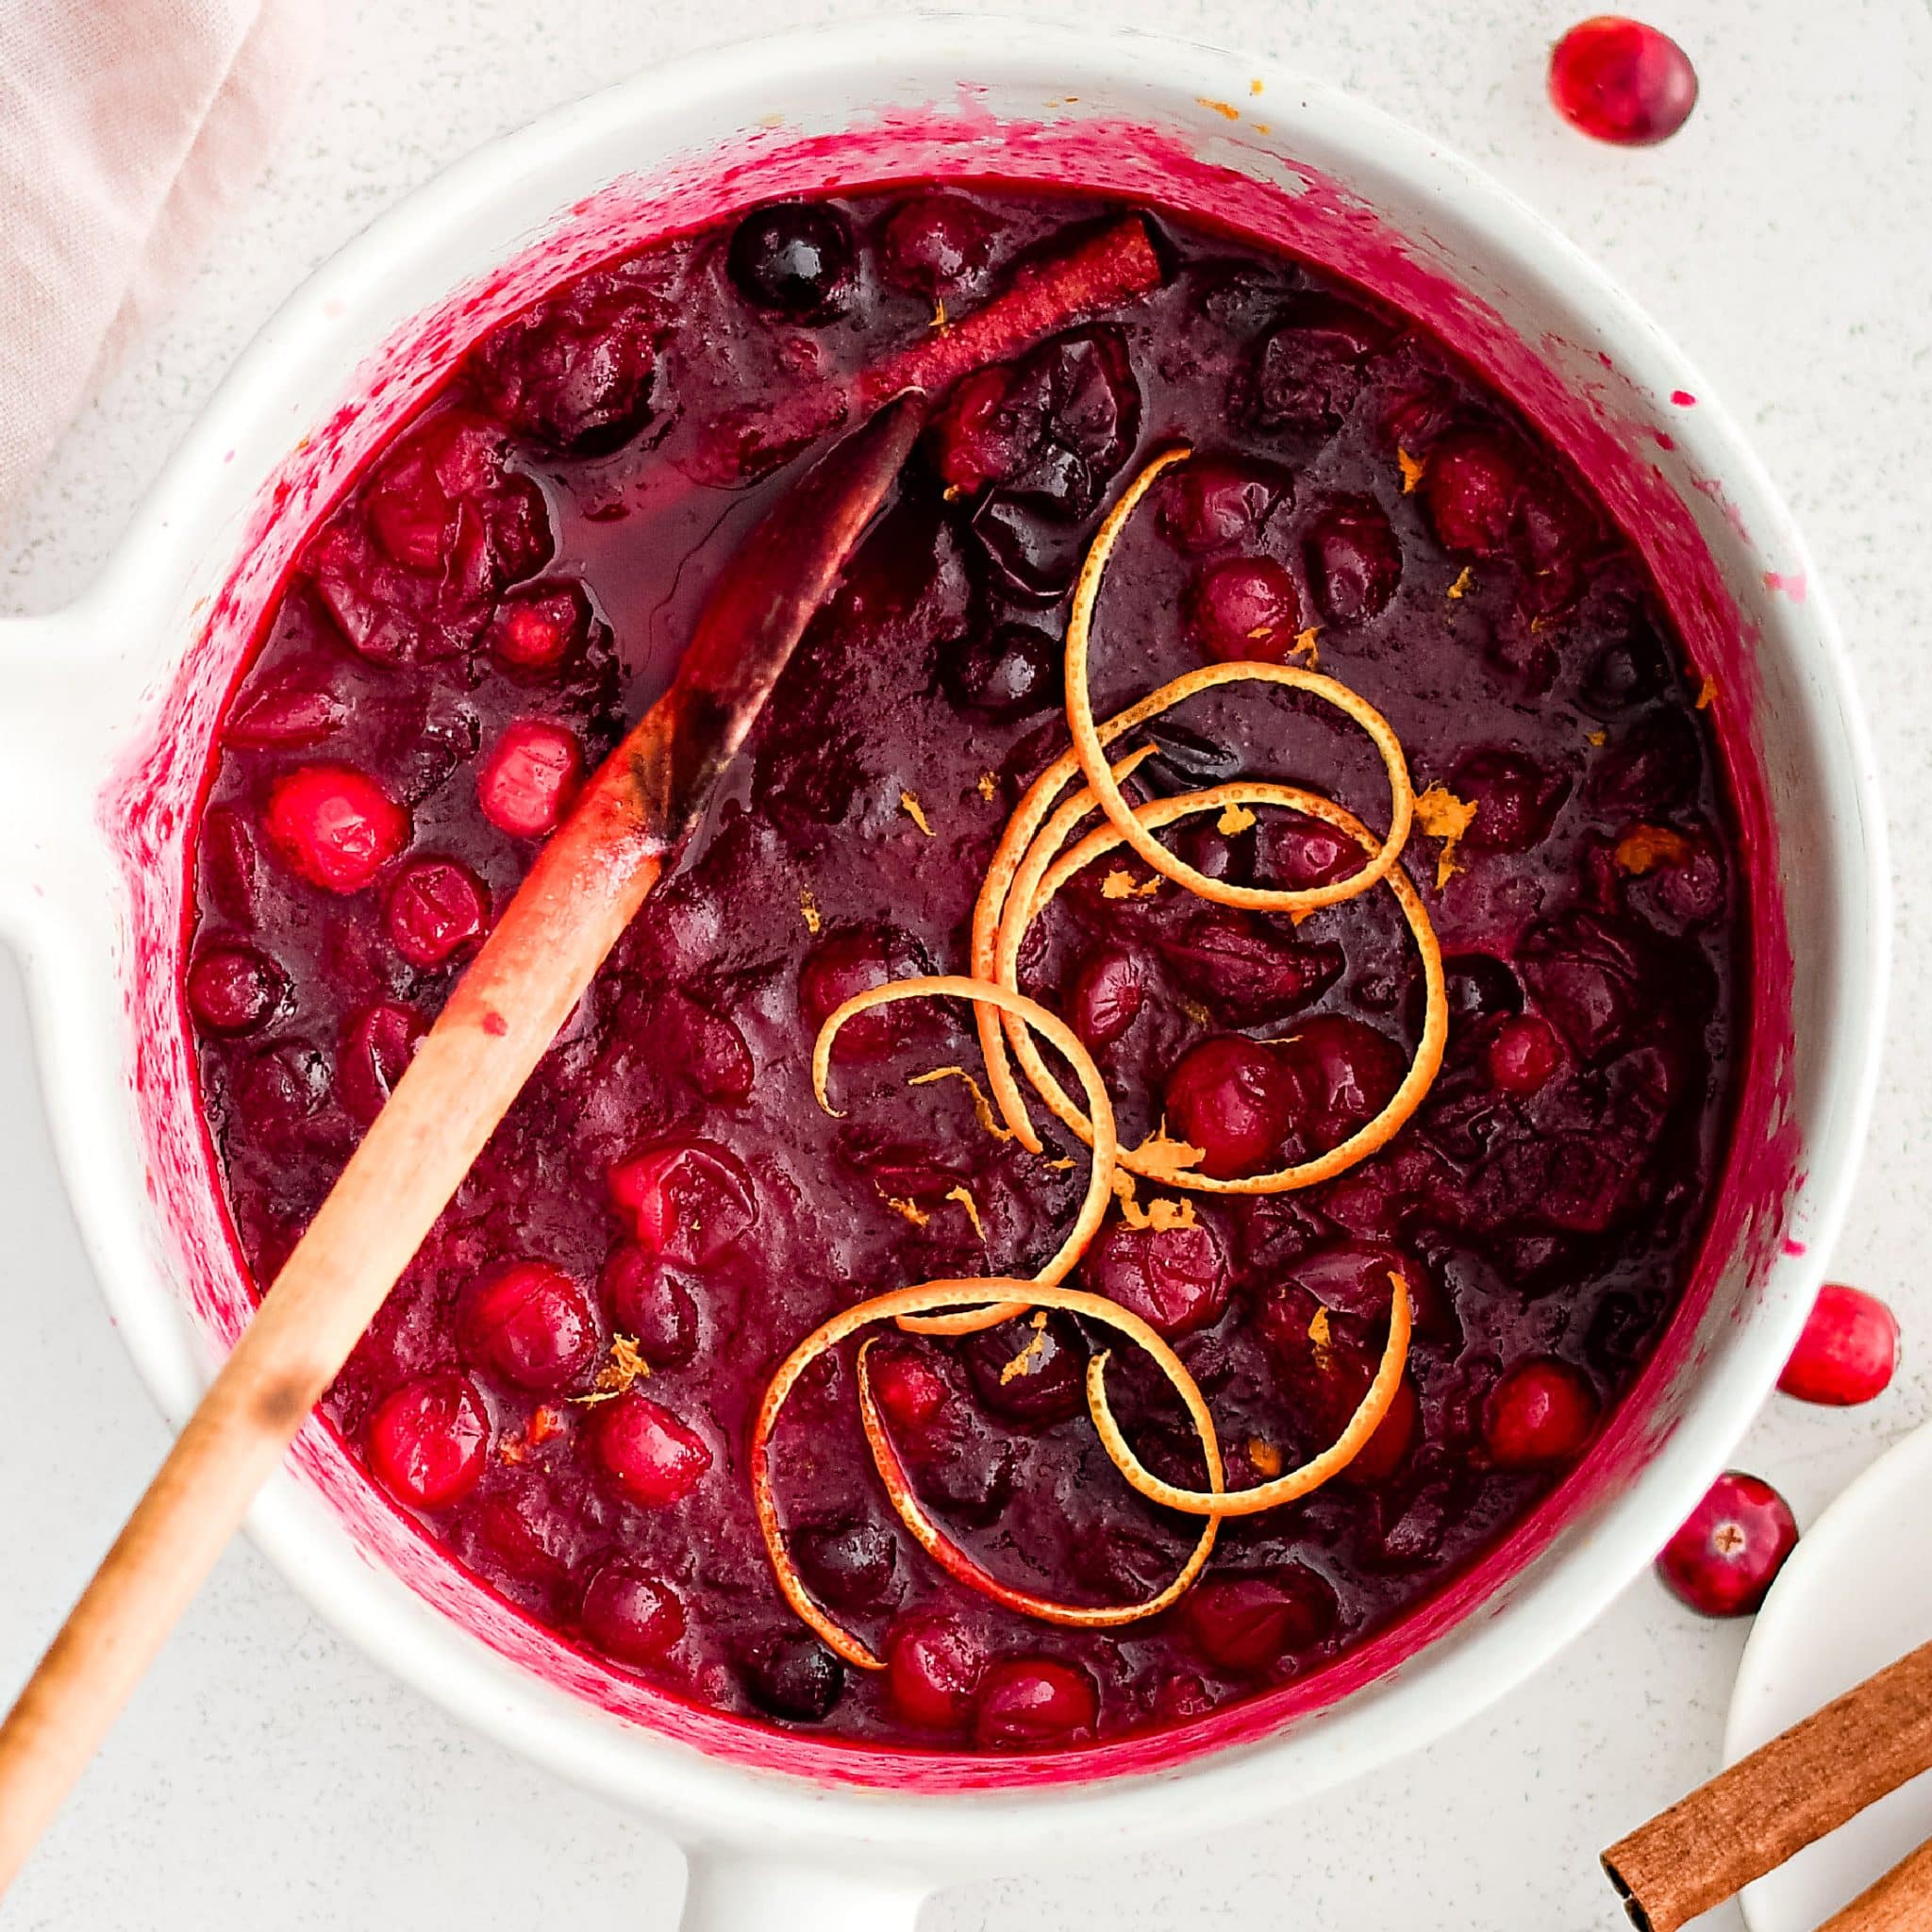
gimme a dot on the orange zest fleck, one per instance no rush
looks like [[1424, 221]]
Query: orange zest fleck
[[1707, 694], [1412, 468], [1643, 848], [808, 911], [1460, 589], [982, 1107], [1442, 815], [909, 805]]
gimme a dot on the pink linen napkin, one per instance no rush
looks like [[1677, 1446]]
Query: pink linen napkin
[[128, 128]]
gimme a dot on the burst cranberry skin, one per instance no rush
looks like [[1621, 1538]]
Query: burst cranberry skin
[[1298, 853], [1107, 994], [1344, 1072], [932, 1669], [1245, 608], [1515, 799], [1470, 489], [531, 1323], [378, 1043], [1245, 1623], [428, 1441], [652, 1457], [1353, 561], [1175, 1278], [1213, 504], [691, 1202], [630, 1614], [1727, 1555], [650, 1304], [436, 908], [855, 962], [1620, 81], [1848, 1352], [334, 827], [1232, 1098], [935, 242], [235, 989], [529, 779], [1523, 1055], [1541, 1414], [1028, 1703]]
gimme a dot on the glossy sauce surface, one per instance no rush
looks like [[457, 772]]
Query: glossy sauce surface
[[508, 587]]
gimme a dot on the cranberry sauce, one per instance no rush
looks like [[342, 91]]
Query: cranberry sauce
[[509, 585]]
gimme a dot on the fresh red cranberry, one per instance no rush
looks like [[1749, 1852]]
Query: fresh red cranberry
[[1727, 1555], [436, 908], [1006, 672], [1470, 489], [706, 1048], [690, 1202], [1848, 1351], [850, 1563], [853, 961], [1620, 81], [909, 1391], [1030, 1704], [1232, 1098], [1245, 608], [1542, 1412], [1514, 797], [933, 1666], [378, 1043], [235, 988], [1523, 1055], [1175, 1278], [291, 715], [1344, 1072], [532, 1324], [794, 258], [1298, 853], [537, 627], [1353, 561], [936, 242], [631, 1614], [654, 1458], [334, 827], [1214, 503], [1245, 1623], [650, 1304], [529, 778], [793, 1676], [1107, 994], [428, 1441]]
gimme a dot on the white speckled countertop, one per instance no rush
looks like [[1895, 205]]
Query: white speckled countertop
[[269, 1776]]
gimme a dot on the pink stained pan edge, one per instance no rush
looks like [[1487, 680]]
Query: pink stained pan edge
[[150, 807]]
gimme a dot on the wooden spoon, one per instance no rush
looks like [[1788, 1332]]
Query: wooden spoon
[[584, 889]]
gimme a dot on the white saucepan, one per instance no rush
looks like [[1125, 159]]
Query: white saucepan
[[106, 709]]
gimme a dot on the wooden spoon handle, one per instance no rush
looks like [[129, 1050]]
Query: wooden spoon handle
[[583, 890]]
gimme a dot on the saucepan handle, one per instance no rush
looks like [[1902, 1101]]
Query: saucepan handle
[[736, 1890]]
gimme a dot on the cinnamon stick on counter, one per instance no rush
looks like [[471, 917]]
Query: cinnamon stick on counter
[[1788, 1793]]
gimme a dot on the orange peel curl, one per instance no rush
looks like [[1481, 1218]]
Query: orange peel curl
[[1044, 872], [925, 1299]]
